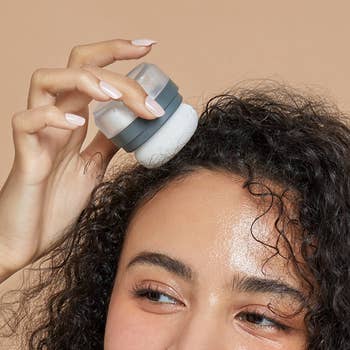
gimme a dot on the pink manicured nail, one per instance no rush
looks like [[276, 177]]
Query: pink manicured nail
[[110, 90], [74, 119], [154, 107], [143, 42]]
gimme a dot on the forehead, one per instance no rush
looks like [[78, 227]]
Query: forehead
[[206, 220]]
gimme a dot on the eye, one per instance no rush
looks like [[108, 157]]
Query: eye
[[155, 296], [260, 320], [155, 293]]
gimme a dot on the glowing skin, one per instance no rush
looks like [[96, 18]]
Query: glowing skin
[[203, 222]]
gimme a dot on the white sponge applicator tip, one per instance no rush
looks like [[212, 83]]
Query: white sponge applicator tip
[[169, 139]]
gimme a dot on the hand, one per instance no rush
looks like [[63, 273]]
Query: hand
[[49, 169]]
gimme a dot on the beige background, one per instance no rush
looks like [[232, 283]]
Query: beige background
[[205, 46]]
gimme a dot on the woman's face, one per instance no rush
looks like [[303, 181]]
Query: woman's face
[[190, 274]]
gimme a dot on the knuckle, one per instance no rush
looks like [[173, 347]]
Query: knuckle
[[17, 120], [84, 77], [119, 43], [51, 111], [38, 76], [77, 52]]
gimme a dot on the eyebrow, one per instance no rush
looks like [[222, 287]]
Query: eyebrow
[[172, 265], [252, 284], [249, 284]]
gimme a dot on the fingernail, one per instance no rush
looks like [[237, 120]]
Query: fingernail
[[74, 119], [110, 90], [154, 107], [143, 42]]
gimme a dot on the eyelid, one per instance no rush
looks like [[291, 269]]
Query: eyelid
[[274, 323], [160, 288], [142, 293], [265, 312]]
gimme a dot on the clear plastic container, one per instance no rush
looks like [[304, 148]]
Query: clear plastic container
[[153, 142]]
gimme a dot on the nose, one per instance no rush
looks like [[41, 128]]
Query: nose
[[200, 332]]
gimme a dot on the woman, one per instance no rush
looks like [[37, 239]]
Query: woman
[[239, 242]]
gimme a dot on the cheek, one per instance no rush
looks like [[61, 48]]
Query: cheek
[[130, 328]]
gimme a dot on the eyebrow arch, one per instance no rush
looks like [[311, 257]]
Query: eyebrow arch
[[170, 264], [252, 284], [249, 284]]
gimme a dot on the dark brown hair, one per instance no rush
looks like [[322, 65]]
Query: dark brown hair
[[272, 132]]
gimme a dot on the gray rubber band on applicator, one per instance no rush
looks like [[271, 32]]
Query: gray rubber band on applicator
[[140, 130]]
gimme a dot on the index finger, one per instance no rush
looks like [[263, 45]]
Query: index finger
[[106, 52]]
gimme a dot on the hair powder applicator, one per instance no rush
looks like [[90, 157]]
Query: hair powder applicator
[[156, 141]]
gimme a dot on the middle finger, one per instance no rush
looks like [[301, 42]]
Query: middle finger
[[133, 94], [46, 83]]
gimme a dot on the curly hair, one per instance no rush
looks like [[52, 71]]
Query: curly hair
[[271, 132]]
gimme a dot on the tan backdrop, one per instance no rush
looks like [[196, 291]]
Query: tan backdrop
[[205, 46]]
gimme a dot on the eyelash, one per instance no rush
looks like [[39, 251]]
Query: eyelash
[[144, 293], [274, 324]]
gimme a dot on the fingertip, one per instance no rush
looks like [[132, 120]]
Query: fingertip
[[154, 107], [109, 90], [143, 42], [138, 51], [140, 110], [74, 119]]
